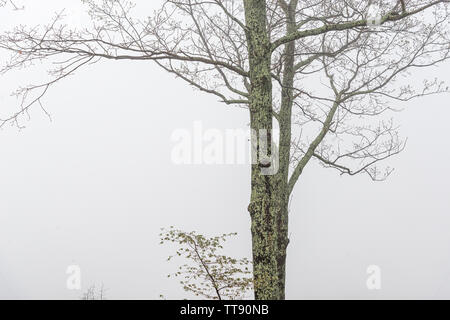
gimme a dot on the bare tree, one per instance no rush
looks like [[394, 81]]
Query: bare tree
[[95, 293], [4, 3], [318, 68], [208, 273]]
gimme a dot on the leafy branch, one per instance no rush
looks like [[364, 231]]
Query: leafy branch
[[208, 273]]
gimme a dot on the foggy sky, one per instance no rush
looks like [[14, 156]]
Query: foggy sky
[[93, 186]]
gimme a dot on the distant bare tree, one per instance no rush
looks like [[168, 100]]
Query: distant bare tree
[[318, 68], [95, 293], [10, 2], [208, 273]]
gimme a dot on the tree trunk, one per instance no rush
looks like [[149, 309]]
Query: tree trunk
[[270, 193], [285, 120], [263, 214], [283, 242]]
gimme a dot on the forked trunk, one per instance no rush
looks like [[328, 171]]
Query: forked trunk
[[269, 193], [263, 215]]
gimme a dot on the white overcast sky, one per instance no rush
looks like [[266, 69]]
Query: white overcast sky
[[93, 186]]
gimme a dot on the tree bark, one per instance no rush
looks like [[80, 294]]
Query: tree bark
[[269, 193], [263, 214], [285, 121]]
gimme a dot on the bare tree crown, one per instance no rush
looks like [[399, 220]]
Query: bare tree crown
[[340, 74]]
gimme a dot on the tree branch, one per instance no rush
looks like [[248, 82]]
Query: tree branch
[[348, 25]]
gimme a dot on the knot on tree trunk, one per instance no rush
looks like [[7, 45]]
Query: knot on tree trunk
[[265, 164], [252, 208]]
